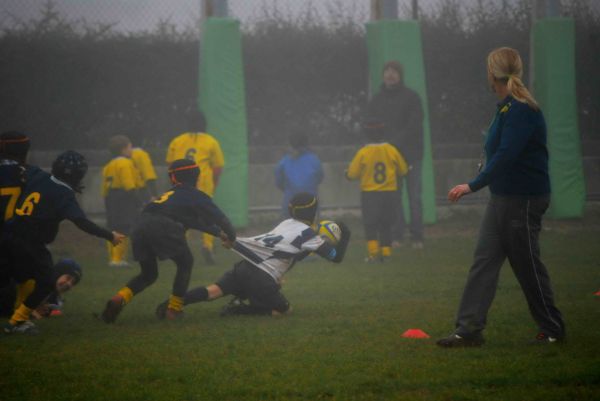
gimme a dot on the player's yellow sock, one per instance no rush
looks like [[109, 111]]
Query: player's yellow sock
[[23, 291], [175, 303], [111, 252], [21, 314], [126, 293], [373, 248], [208, 241], [386, 251]]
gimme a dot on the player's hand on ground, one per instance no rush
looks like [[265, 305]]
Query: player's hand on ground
[[117, 238], [458, 191]]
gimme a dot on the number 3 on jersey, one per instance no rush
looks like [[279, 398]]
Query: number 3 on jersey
[[163, 198], [379, 175]]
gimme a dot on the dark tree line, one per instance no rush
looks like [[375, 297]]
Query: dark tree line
[[72, 83]]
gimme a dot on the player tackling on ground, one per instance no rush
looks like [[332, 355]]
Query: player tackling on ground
[[267, 258]]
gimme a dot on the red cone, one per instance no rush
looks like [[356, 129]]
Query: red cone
[[597, 294], [415, 333]]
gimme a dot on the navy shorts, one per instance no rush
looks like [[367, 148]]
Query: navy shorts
[[157, 236], [247, 281]]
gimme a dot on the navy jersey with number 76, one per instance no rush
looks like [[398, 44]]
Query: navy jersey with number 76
[[44, 203]]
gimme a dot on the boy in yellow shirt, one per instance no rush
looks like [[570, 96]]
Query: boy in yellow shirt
[[146, 174], [378, 166], [120, 182], [205, 150]]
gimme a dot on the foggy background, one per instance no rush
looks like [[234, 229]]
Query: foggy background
[[75, 72]]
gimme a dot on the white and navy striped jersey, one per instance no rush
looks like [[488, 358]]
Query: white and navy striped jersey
[[276, 251]]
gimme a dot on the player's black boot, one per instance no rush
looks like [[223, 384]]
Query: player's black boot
[[161, 310], [235, 307], [114, 306]]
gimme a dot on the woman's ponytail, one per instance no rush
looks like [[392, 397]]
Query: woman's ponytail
[[504, 64]]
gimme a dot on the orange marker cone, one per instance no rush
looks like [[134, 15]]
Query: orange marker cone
[[56, 312], [597, 294], [415, 333]]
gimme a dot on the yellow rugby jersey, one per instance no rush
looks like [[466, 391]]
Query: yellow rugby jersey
[[377, 165], [143, 163], [119, 173], [204, 150]]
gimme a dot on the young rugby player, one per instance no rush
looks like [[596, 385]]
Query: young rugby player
[[378, 166], [159, 233], [13, 154], [146, 174], [267, 257], [66, 274], [47, 199], [204, 149], [14, 147], [120, 181]]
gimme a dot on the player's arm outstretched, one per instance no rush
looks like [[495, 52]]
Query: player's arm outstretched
[[213, 221], [88, 226], [221, 228], [71, 167]]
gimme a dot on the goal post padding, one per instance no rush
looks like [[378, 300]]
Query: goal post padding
[[222, 98], [553, 45], [401, 40]]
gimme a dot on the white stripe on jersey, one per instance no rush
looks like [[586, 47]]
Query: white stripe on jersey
[[276, 251]]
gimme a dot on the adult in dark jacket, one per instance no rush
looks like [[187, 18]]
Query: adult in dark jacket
[[516, 172], [399, 107]]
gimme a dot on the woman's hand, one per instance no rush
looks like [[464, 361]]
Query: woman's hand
[[458, 191]]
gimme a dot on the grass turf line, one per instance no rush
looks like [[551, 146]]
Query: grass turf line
[[342, 341]]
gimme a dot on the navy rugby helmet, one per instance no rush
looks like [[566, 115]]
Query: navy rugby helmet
[[70, 267], [303, 207], [14, 145], [184, 171], [70, 167]]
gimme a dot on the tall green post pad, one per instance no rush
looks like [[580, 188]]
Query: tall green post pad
[[222, 99], [401, 40], [553, 45]]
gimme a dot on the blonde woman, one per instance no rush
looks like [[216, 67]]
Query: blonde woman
[[516, 172]]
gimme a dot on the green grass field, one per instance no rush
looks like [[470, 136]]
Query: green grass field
[[342, 341]]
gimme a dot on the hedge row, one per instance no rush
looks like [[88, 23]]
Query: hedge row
[[76, 84]]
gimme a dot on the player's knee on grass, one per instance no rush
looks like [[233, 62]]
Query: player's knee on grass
[[274, 305], [282, 309], [214, 292], [276, 313]]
